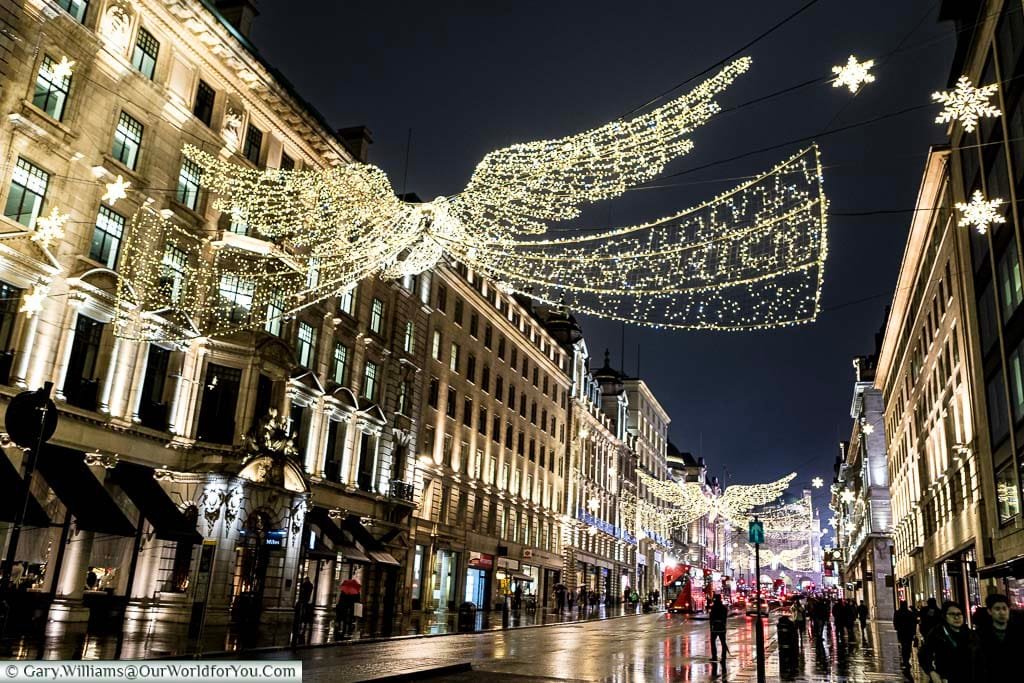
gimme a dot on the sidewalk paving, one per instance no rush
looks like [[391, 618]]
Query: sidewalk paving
[[147, 640]]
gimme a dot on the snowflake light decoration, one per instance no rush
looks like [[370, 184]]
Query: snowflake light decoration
[[853, 74], [62, 69], [832, 521], [50, 228], [116, 190], [817, 482], [847, 496], [33, 303], [867, 428], [966, 103], [980, 212]]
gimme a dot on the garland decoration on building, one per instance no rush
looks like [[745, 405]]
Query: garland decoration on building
[[750, 258]]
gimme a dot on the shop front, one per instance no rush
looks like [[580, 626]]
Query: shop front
[[479, 570]]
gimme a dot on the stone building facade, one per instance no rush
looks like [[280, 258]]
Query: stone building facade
[[161, 490], [935, 455]]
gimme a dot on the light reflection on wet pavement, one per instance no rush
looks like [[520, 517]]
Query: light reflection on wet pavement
[[625, 650]]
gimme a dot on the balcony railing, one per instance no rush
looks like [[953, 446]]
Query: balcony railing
[[402, 490]]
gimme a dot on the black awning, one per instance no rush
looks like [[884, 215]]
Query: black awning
[[362, 536], [67, 474], [12, 497], [168, 521], [1013, 567], [328, 526]]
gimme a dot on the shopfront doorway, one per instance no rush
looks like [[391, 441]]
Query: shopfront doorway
[[259, 564]]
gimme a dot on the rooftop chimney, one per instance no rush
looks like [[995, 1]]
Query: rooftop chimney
[[239, 13], [357, 140]]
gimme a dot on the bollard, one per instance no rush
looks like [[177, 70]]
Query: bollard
[[788, 644]]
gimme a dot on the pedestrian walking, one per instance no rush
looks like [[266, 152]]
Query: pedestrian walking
[[799, 615], [839, 617], [862, 615], [719, 615], [905, 623], [931, 615], [1001, 642], [949, 651]]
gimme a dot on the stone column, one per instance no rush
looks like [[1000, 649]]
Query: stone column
[[314, 442], [112, 374], [176, 388], [67, 606], [138, 379], [25, 351], [67, 342]]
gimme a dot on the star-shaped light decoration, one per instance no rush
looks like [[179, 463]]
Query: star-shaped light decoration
[[847, 496], [854, 74], [867, 428], [33, 303], [980, 212], [817, 482], [966, 103], [832, 521], [116, 190], [62, 69], [50, 228]]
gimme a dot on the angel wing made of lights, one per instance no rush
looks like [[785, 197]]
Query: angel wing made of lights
[[689, 501], [751, 257]]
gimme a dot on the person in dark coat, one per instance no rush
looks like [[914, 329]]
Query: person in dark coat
[[839, 617], [862, 615], [905, 623], [718, 617], [949, 652], [930, 615], [1001, 642]]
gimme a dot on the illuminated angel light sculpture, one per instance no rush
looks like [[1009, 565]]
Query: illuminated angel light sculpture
[[690, 501], [752, 257]]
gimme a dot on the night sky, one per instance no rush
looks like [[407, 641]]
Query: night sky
[[469, 77]]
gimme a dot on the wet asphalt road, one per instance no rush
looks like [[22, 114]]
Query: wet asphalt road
[[653, 647]]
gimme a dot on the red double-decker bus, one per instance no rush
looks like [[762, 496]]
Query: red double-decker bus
[[680, 593]]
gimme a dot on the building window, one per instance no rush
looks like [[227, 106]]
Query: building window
[[203, 106], [485, 378], [127, 140], [435, 350], [236, 297], [474, 324], [488, 335], [253, 144], [1008, 270], [172, 272], [370, 380], [433, 391], [275, 315], [449, 408], [501, 348], [453, 359], [51, 93], [81, 383], [377, 316], [471, 368], [1007, 502], [1016, 372], [442, 299], [404, 397], [457, 315], [28, 189], [106, 237], [481, 421], [997, 418], [467, 411], [304, 345], [409, 342], [287, 163], [188, 183], [144, 55], [499, 388], [346, 303], [496, 429], [75, 8], [508, 435], [10, 297], [220, 399], [340, 363], [312, 272]]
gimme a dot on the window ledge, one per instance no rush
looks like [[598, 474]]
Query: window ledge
[[186, 213], [137, 179], [38, 116]]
